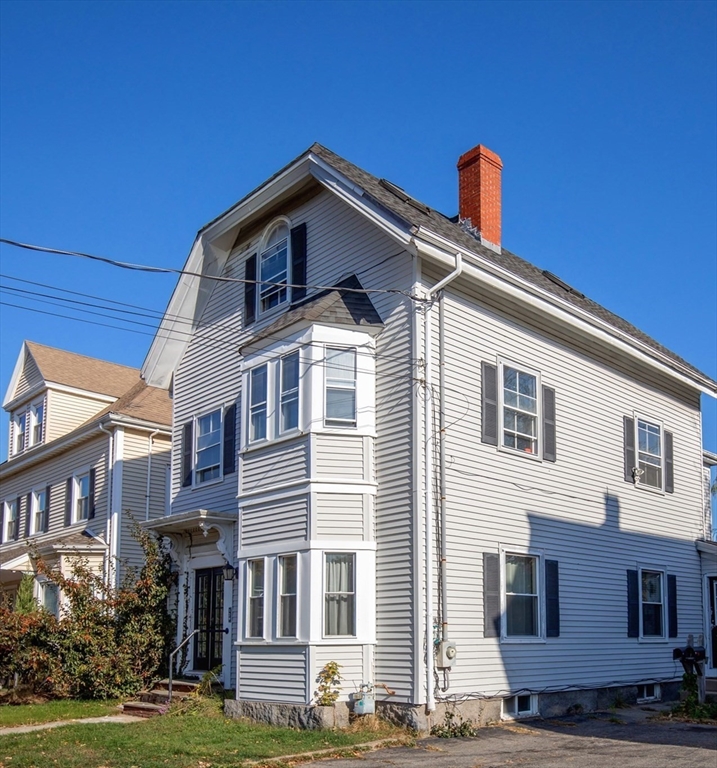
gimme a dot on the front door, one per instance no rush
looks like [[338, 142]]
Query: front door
[[208, 618]]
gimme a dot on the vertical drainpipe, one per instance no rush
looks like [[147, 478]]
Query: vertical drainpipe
[[427, 480], [149, 474]]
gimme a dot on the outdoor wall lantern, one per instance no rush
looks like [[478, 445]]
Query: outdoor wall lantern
[[229, 572]]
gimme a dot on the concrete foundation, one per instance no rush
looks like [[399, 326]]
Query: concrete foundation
[[289, 715]]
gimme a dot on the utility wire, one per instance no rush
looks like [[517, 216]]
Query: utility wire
[[218, 278]]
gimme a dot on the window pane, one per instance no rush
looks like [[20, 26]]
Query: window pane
[[652, 620], [258, 424], [288, 575], [521, 616], [256, 598], [258, 385], [341, 364], [652, 586], [290, 372], [520, 574], [290, 392], [288, 616], [339, 573], [339, 610], [341, 404]]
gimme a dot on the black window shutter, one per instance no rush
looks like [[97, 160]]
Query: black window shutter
[[187, 451], [633, 605], [28, 514], [68, 501], [491, 595], [552, 599], [629, 446], [229, 458], [489, 402], [298, 262], [18, 517], [672, 605], [250, 291], [91, 501], [2, 523], [669, 465], [46, 516], [549, 435]]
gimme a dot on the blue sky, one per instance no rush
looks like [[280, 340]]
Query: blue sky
[[126, 126]]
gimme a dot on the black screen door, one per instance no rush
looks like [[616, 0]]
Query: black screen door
[[208, 610]]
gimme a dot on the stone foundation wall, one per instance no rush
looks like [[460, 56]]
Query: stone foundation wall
[[289, 715]]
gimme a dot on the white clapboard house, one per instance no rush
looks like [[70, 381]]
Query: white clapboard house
[[400, 447]]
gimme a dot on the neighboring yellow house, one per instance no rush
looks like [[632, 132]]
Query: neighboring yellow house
[[89, 453]]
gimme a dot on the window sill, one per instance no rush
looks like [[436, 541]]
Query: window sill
[[285, 438], [650, 489], [213, 481], [654, 640], [522, 640], [525, 454]]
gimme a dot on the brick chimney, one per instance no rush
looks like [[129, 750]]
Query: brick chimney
[[479, 172]]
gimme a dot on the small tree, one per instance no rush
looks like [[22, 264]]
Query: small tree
[[25, 599]]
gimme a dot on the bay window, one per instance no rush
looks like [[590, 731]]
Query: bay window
[[255, 619], [340, 387], [258, 391], [340, 595], [289, 396], [287, 596]]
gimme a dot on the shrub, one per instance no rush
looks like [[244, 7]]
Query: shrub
[[107, 643], [329, 680]]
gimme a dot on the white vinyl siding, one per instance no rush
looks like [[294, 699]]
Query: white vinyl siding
[[341, 456], [65, 412], [274, 521], [272, 674], [261, 468], [341, 515]]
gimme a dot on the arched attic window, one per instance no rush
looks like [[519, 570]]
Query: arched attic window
[[274, 261]]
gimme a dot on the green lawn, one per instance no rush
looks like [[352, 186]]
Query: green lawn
[[202, 738], [29, 714]]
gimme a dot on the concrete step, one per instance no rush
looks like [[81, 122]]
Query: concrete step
[[178, 686], [143, 709]]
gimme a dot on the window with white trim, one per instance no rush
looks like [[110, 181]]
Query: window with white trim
[[289, 392], [20, 433], [274, 269], [648, 692], [37, 418], [255, 611], [39, 511], [50, 597], [208, 449], [10, 516], [652, 603], [521, 705], [339, 594], [521, 409], [340, 373], [521, 596], [82, 497], [287, 595], [649, 453], [258, 401]]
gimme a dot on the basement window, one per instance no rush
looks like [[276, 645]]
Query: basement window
[[522, 705], [648, 692]]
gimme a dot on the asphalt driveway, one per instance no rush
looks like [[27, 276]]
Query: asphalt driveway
[[630, 738]]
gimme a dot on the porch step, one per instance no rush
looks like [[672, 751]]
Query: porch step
[[143, 709]]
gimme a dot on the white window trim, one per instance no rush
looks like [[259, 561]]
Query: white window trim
[[353, 553], [41, 403], [646, 699], [279, 395], [261, 248], [506, 363], [34, 508], [76, 477], [279, 594], [15, 422], [336, 424], [7, 503], [532, 712], [539, 555], [638, 417], [42, 584], [663, 638], [269, 407], [266, 593], [195, 436]]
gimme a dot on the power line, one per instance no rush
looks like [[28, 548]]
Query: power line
[[219, 278]]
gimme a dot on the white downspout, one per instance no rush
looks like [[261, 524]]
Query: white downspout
[[109, 534], [149, 474], [428, 475]]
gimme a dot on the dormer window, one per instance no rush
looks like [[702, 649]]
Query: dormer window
[[274, 269], [38, 423], [20, 431]]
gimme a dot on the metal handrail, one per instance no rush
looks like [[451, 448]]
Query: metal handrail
[[171, 662]]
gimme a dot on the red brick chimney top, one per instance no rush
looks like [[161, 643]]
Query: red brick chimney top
[[479, 178]]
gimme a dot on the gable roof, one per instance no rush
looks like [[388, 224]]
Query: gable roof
[[140, 402], [331, 306], [412, 222]]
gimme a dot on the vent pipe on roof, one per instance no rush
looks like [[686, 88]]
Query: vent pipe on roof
[[479, 178]]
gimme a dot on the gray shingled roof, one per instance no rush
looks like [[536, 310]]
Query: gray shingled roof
[[441, 225], [333, 306]]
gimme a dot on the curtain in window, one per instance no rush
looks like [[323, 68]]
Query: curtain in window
[[340, 613]]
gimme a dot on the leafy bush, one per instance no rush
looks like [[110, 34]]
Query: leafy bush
[[107, 643], [329, 680], [454, 727], [690, 706]]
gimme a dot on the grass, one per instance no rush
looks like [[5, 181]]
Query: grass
[[198, 736], [68, 709]]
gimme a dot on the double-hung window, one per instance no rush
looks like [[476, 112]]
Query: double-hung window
[[649, 453], [289, 396], [274, 269], [340, 594], [20, 432], [522, 596], [340, 387], [520, 410], [258, 393], [287, 596], [255, 618], [82, 497], [652, 603], [38, 421], [11, 520], [39, 511], [209, 447]]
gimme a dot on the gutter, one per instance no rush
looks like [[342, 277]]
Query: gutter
[[429, 439]]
